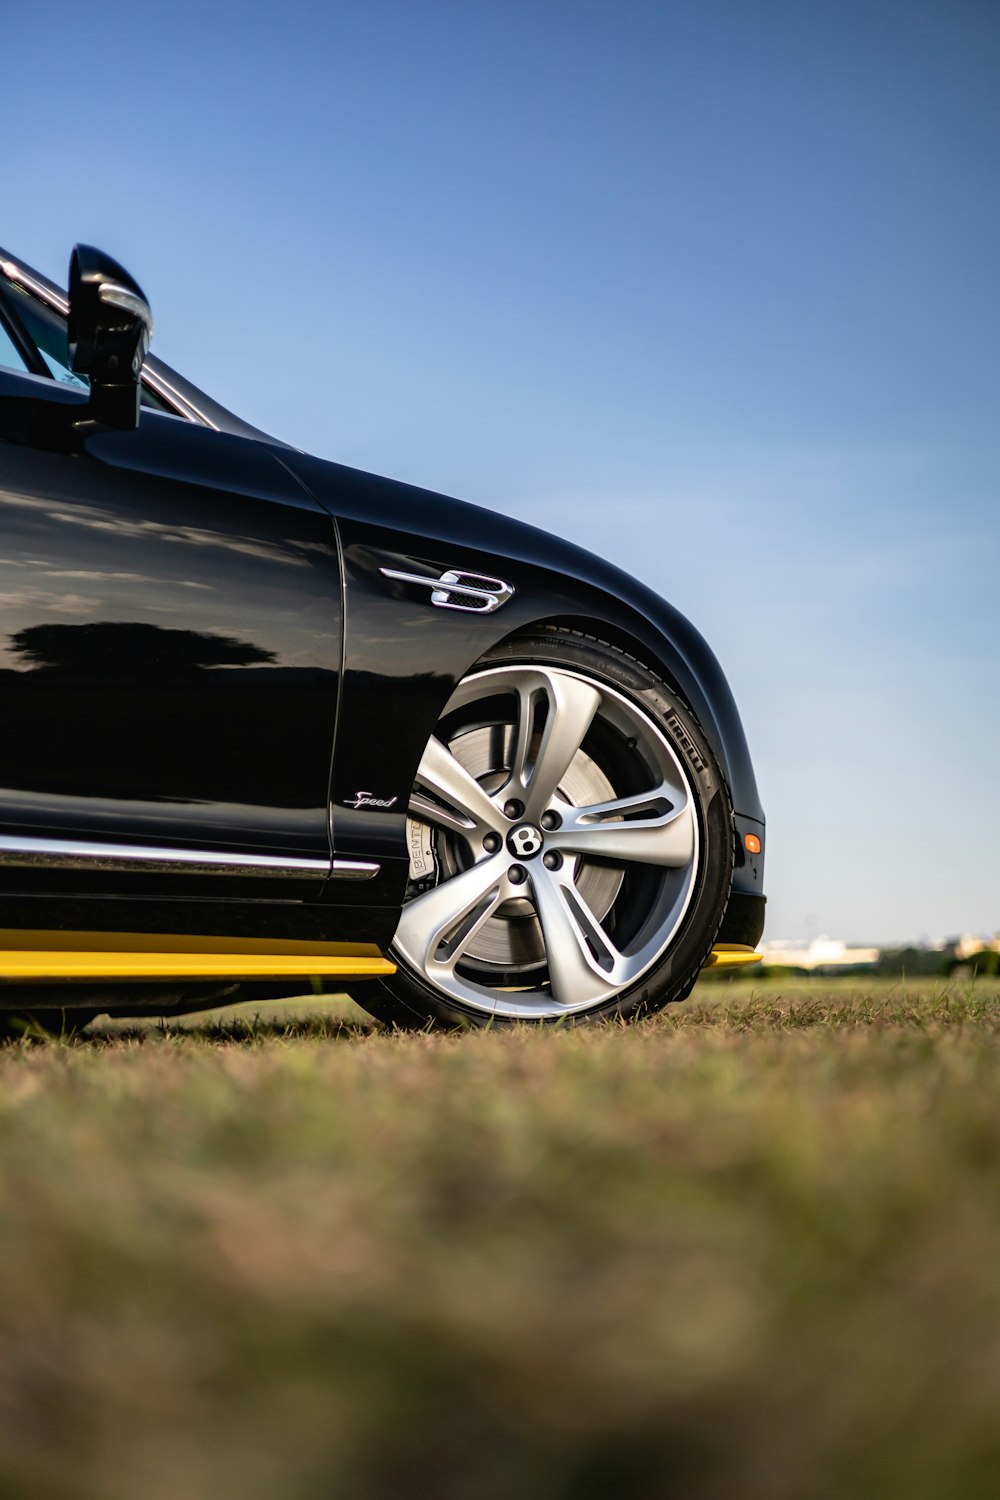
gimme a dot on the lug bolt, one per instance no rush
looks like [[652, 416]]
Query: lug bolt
[[513, 809], [492, 842], [552, 859], [517, 875], [550, 821]]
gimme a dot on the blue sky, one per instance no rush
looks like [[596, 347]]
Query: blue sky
[[710, 287]]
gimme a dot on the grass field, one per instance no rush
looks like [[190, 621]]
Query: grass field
[[750, 1248]]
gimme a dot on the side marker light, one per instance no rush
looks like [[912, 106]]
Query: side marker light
[[753, 843]]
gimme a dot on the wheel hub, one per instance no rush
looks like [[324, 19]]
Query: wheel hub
[[525, 841], [511, 942]]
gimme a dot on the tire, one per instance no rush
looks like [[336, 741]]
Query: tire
[[571, 845]]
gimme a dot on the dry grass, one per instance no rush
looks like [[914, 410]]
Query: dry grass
[[747, 1249]]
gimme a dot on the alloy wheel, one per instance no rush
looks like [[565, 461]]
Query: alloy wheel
[[554, 845]]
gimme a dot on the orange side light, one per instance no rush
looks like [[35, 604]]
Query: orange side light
[[753, 843]]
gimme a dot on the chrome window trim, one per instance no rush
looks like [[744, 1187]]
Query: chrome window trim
[[14, 272], [185, 408], [85, 854], [157, 383]]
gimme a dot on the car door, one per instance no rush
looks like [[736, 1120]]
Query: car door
[[170, 642]]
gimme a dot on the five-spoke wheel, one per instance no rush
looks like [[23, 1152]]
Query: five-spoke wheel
[[560, 842]]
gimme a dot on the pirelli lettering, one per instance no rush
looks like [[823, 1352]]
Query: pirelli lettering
[[684, 739]]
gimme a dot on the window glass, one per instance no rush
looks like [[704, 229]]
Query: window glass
[[47, 332], [10, 357]]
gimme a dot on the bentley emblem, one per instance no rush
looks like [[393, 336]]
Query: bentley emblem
[[525, 840]]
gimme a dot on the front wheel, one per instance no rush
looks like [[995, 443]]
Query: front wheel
[[570, 840]]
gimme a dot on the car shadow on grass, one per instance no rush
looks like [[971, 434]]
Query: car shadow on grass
[[242, 1025], [246, 1025], [233, 1033]]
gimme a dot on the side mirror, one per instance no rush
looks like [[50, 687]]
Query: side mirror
[[110, 326]]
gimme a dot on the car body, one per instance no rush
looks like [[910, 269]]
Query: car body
[[224, 661]]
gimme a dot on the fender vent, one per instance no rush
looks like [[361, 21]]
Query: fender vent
[[476, 593]]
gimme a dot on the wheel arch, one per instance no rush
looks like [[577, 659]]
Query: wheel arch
[[400, 651], [664, 662], [712, 705]]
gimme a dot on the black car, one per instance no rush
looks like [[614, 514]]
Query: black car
[[268, 720]]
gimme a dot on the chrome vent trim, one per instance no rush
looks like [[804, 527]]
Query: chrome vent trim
[[457, 588]]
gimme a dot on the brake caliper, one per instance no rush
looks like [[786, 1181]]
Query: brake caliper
[[420, 843]]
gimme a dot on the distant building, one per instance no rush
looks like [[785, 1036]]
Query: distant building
[[968, 945], [973, 955], [822, 953]]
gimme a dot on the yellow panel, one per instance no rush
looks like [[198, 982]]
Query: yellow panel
[[55, 940], [732, 956], [35, 955], [28, 964]]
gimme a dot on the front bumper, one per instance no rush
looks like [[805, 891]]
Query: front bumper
[[744, 920]]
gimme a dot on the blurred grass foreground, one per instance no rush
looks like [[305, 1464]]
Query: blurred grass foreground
[[750, 1248]]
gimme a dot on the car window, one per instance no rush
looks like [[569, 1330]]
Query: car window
[[10, 355], [47, 331]]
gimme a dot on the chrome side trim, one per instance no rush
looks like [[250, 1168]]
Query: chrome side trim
[[353, 869], [489, 593], [77, 854]]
